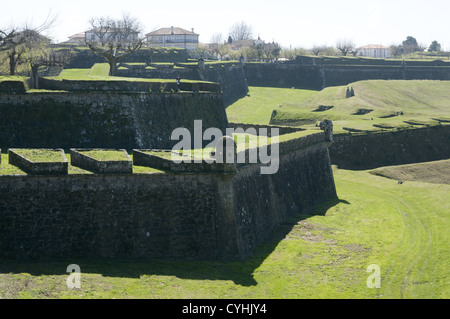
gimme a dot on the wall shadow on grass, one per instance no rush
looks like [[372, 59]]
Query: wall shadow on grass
[[240, 272]]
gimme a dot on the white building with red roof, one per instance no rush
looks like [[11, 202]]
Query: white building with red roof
[[374, 51], [173, 37]]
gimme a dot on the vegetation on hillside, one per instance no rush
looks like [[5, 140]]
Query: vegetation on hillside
[[434, 172], [377, 105]]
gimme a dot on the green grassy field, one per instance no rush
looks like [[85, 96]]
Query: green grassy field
[[375, 221], [376, 106], [257, 107], [401, 228], [433, 172]]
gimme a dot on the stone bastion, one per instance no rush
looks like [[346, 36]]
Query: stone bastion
[[219, 213]]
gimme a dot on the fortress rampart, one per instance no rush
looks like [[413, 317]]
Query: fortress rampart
[[368, 151], [199, 215], [319, 72], [230, 76], [105, 119]]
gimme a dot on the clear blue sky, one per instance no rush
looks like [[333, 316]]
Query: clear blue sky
[[295, 23]]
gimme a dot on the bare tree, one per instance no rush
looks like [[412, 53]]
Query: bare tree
[[274, 51], [250, 53], [241, 31], [292, 53], [218, 46], [345, 46], [397, 50], [37, 53], [17, 42], [114, 39], [11, 42], [201, 51], [317, 49]]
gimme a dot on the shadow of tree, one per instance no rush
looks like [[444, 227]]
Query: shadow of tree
[[240, 272]]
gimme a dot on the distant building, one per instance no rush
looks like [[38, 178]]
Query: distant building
[[239, 44], [76, 39], [173, 37], [374, 51]]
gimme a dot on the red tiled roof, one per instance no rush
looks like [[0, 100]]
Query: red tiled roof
[[168, 31], [78, 35], [373, 46]]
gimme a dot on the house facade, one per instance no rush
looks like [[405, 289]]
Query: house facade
[[374, 51], [173, 37], [76, 39]]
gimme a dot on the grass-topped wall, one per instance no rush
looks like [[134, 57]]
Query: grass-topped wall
[[102, 161], [82, 57], [39, 161], [113, 84], [230, 75], [104, 119], [13, 84]]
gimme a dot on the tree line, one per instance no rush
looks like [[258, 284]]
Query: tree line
[[345, 47], [115, 39]]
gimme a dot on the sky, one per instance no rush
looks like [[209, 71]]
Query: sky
[[292, 23]]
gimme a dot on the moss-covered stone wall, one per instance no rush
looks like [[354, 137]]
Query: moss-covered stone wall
[[174, 215], [318, 76], [105, 119], [368, 151], [230, 76], [83, 58]]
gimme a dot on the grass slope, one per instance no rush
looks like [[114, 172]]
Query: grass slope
[[433, 172], [257, 107], [385, 104], [401, 228]]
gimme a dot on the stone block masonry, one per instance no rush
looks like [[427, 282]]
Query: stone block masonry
[[230, 76], [368, 151], [189, 215], [104, 119], [79, 158], [162, 160], [322, 74], [39, 168], [12, 87]]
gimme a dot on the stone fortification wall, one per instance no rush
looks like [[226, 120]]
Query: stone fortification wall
[[127, 86], [215, 215], [369, 151], [83, 58], [230, 76], [283, 75], [318, 73], [13, 87], [104, 119], [261, 202], [108, 216]]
